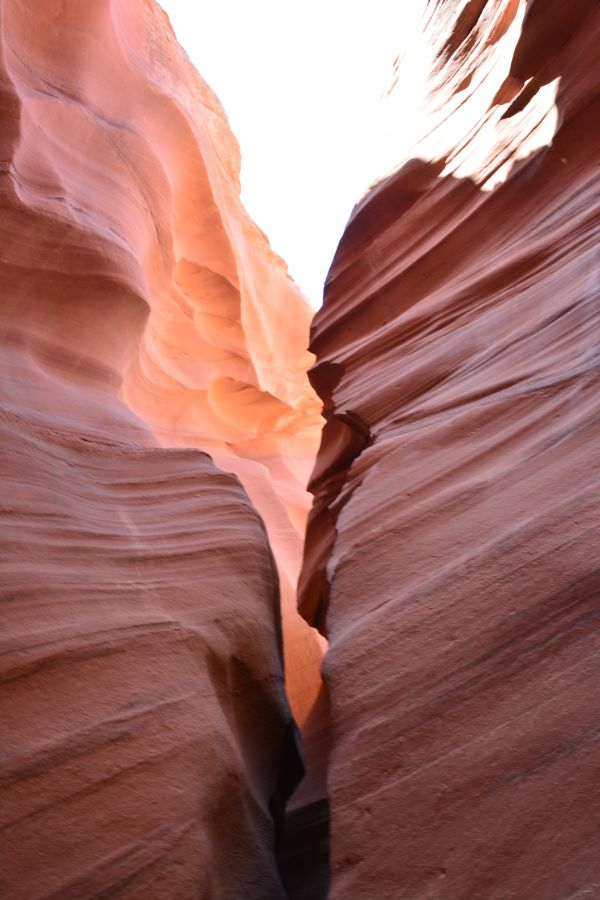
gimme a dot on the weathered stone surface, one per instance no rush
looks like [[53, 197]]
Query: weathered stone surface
[[143, 709], [118, 139], [147, 740], [452, 552]]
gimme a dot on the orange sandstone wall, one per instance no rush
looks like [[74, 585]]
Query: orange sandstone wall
[[120, 137], [452, 551], [148, 744]]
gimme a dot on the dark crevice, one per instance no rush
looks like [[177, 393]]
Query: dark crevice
[[344, 437], [303, 853], [303, 845]]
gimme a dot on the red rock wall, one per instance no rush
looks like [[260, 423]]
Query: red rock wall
[[143, 710], [118, 136], [147, 738], [452, 552]]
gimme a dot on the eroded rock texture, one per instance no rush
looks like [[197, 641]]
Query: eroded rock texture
[[452, 552], [117, 136], [147, 739]]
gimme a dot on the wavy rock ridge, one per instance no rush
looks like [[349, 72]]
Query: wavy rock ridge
[[451, 552], [120, 138], [149, 746]]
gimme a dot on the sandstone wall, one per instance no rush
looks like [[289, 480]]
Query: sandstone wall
[[148, 743], [452, 552]]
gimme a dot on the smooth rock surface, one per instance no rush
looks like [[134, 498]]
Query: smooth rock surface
[[148, 745], [118, 137], [452, 552], [146, 736]]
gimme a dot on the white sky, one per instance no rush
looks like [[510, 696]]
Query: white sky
[[301, 82]]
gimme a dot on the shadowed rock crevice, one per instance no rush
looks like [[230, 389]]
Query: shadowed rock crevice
[[345, 437], [304, 852]]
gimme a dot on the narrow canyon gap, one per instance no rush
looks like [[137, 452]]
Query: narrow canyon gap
[[158, 432]]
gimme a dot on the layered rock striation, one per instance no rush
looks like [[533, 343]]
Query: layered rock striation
[[451, 553], [118, 137], [148, 742], [148, 746]]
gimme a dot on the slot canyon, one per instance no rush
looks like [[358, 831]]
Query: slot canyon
[[299, 605]]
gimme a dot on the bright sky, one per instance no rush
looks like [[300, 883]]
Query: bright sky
[[301, 82]]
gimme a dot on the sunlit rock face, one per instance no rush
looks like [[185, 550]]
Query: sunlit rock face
[[120, 138], [147, 739], [452, 550]]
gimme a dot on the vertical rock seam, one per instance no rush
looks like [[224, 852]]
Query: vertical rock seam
[[453, 555]]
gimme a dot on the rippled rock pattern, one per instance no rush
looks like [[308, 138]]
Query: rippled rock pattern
[[117, 138], [147, 741], [452, 552]]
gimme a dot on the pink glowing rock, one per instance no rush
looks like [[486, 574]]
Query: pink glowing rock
[[148, 744]]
